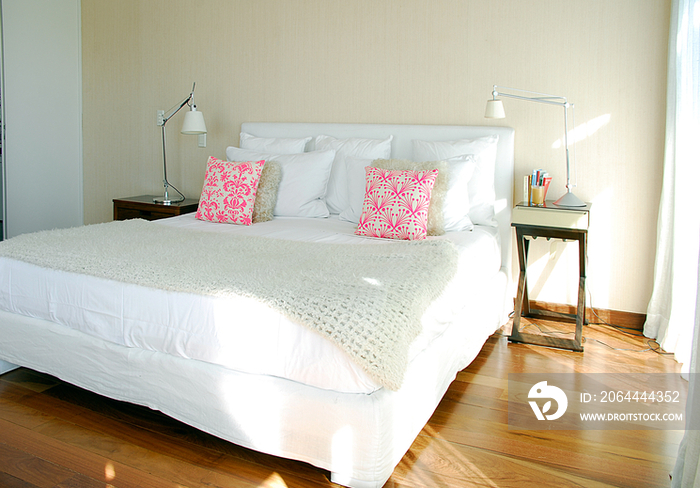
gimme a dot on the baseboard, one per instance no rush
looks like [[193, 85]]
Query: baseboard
[[632, 320]]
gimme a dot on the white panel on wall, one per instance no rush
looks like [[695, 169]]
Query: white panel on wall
[[42, 93]]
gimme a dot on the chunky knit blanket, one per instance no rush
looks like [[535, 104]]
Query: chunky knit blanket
[[367, 298]]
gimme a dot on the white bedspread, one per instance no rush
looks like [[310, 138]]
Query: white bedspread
[[243, 335]]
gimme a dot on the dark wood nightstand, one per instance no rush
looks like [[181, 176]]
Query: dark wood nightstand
[[550, 222], [143, 207]]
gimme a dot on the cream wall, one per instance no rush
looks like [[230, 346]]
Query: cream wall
[[395, 61]]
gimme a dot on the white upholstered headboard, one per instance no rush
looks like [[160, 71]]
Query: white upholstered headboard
[[402, 148]]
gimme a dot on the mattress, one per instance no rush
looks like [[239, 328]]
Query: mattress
[[241, 335]]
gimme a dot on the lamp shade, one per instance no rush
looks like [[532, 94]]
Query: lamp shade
[[194, 123], [494, 110]]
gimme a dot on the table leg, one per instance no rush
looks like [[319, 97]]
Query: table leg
[[581, 305], [522, 302]]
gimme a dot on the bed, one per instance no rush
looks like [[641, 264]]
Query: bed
[[244, 370]]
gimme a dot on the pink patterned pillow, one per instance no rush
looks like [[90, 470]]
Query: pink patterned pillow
[[396, 203], [228, 195]]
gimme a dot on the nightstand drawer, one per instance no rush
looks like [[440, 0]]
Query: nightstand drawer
[[552, 216]]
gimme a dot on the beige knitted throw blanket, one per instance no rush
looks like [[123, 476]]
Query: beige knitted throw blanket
[[367, 298]]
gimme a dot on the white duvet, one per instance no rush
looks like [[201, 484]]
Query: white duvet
[[241, 335]]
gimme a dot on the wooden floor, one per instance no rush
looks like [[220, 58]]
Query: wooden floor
[[55, 435]]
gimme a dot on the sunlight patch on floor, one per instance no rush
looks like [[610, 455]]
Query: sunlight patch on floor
[[110, 472], [446, 451], [273, 481]]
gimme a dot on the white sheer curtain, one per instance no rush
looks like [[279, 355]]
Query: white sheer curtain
[[673, 315], [686, 473], [671, 310]]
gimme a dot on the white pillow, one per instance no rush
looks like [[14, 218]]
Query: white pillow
[[304, 180], [337, 196], [356, 185], [274, 145], [457, 203], [482, 192]]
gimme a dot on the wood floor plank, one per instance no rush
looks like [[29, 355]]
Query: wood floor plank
[[611, 444], [9, 481], [443, 463], [158, 462], [21, 414], [75, 459], [81, 481], [31, 469], [603, 464], [148, 428], [157, 452]]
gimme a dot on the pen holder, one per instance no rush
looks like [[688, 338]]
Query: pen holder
[[537, 192]]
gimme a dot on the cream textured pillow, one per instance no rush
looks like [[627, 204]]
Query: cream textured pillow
[[266, 197], [436, 226]]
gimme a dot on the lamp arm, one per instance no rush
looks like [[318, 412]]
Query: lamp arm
[[186, 101], [541, 98], [549, 101], [566, 145]]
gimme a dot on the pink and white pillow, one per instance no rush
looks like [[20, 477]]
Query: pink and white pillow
[[228, 195], [396, 203]]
